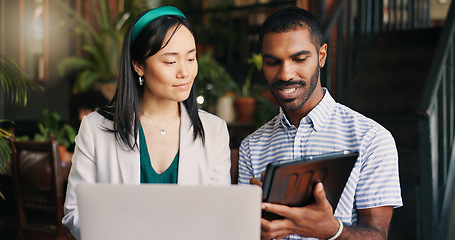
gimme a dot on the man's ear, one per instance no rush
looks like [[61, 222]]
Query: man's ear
[[139, 68], [322, 55]]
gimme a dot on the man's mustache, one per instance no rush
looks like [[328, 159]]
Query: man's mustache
[[281, 83]]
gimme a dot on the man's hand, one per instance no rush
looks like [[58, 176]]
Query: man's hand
[[315, 220], [255, 181]]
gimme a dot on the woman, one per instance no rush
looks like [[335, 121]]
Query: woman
[[152, 131]]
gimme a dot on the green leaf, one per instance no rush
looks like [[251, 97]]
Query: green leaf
[[101, 41], [49, 126], [86, 80], [5, 155], [14, 82], [72, 64]]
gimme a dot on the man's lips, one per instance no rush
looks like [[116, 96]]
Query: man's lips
[[288, 84], [287, 88]]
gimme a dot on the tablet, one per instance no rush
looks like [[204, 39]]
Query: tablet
[[291, 182]]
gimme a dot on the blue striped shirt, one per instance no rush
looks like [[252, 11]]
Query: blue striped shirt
[[330, 127]]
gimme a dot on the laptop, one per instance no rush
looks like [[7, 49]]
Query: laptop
[[169, 211]]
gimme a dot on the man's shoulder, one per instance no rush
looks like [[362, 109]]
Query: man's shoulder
[[356, 122], [348, 114]]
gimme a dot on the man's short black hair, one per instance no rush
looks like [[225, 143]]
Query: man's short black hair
[[292, 18], [88, 100]]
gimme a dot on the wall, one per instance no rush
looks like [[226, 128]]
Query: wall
[[57, 89], [439, 9]]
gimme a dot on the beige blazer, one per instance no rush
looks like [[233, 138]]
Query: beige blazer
[[98, 158]]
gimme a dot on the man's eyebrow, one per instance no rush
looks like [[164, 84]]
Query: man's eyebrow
[[269, 56], [303, 52]]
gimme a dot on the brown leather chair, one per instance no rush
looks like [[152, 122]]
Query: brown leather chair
[[39, 190]]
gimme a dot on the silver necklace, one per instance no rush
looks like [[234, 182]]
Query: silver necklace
[[162, 130]]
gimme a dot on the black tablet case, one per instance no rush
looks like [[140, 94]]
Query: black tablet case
[[291, 182]]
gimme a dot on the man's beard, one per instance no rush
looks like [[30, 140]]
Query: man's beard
[[281, 83]]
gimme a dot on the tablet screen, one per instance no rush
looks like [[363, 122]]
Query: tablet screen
[[291, 182]]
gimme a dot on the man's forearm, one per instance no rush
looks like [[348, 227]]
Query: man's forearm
[[361, 233]]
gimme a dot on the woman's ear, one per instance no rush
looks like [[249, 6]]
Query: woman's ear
[[139, 68]]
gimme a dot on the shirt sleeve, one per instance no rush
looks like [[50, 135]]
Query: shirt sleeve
[[379, 183], [245, 165]]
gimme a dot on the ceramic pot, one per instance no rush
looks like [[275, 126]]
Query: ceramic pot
[[245, 109]]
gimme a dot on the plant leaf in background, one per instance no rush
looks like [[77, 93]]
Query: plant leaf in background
[[5, 148], [14, 81], [14, 85], [102, 36], [256, 61], [212, 80], [49, 126]]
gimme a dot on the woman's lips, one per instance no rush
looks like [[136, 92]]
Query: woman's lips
[[183, 86]]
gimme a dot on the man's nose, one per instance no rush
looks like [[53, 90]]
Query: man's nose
[[286, 72]]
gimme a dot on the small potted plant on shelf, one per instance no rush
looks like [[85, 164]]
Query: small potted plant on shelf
[[213, 81], [101, 30], [49, 127], [245, 105]]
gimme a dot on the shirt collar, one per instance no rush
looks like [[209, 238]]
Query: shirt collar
[[318, 116]]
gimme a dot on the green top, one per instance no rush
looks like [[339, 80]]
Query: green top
[[148, 174]]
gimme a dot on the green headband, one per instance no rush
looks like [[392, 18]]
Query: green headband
[[152, 15]]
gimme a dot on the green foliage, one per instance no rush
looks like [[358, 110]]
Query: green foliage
[[49, 126], [14, 81], [212, 80], [256, 61], [101, 42], [14, 85], [265, 110], [5, 148]]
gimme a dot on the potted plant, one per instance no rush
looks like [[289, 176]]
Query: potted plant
[[49, 127], [102, 36], [245, 105], [212, 81]]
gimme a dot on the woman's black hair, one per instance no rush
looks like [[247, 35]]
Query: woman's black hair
[[123, 109]]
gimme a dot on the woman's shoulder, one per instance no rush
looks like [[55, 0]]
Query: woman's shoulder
[[209, 117], [95, 119]]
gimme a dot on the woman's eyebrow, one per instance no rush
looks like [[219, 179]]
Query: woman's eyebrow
[[176, 53]]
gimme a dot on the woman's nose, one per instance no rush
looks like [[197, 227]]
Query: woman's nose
[[183, 71]]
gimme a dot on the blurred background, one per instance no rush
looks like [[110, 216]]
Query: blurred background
[[391, 60]]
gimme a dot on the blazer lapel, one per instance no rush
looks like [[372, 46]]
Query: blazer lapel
[[129, 164], [190, 152]]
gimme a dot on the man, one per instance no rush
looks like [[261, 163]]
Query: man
[[310, 122]]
